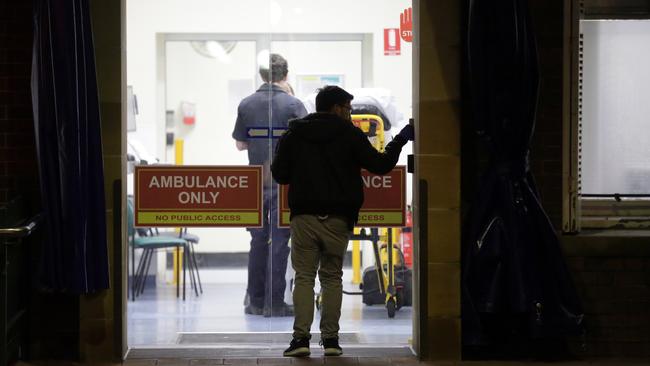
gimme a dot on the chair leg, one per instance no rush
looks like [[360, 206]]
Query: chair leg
[[142, 272], [132, 269], [137, 275], [196, 266], [191, 267], [184, 265], [146, 271], [177, 253], [141, 262]]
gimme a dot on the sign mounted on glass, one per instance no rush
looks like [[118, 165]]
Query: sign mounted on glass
[[392, 45], [210, 196], [308, 84], [384, 203]]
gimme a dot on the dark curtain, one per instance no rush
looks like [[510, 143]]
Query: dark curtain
[[69, 148], [515, 282]]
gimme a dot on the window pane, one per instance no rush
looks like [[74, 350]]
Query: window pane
[[615, 107]]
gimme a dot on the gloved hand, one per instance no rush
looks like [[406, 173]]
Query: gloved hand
[[407, 133]]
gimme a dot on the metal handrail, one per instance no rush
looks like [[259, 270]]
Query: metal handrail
[[21, 231]]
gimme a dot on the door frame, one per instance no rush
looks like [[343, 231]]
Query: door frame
[[262, 41]]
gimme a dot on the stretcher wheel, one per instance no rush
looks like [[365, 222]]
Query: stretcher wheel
[[400, 298], [391, 307]]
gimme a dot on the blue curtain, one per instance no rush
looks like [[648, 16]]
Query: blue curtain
[[69, 148], [516, 286]]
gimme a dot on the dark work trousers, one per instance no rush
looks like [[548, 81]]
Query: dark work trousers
[[267, 259]]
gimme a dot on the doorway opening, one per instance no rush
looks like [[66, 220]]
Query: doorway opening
[[189, 65]]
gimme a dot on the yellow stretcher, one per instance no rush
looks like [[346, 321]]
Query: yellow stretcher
[[385, 260], [373, 126]]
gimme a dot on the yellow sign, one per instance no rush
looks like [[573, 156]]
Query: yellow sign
[[198, 218]]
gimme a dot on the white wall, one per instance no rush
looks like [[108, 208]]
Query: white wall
[[204, 81], [148, 18]]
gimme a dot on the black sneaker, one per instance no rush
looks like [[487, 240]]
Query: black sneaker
[[279, 310], [298, 348], [331, 346], [253, 310]]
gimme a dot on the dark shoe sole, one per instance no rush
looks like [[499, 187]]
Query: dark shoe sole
[[253, 311], [333, 352], [298, 352]]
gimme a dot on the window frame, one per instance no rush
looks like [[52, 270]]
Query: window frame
[[580, 211]]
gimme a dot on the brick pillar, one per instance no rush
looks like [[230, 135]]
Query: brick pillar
[[102, 316], [546, 147], [436, 91]]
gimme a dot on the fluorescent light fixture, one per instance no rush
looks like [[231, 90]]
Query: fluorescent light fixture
[[215, 49], [219, 50]]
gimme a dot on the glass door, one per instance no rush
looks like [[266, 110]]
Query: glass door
[[195, 69], [205, 80]]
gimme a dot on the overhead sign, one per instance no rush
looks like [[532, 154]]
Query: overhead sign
[[307, 84], [210, 196], [384, 203]]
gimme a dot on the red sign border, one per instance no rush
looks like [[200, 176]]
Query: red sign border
[[397, 49], [136, 203], [401, 168]]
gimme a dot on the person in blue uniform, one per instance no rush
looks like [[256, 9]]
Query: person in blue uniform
[[261, 118]]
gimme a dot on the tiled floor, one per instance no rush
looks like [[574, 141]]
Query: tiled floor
[[157, 317], [340, 361]]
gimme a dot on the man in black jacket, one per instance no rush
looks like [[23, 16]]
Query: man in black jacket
[[320, 157]]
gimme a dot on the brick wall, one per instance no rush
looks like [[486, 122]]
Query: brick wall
[[54, 325], [546, 147], [613, 279], [18, 169]]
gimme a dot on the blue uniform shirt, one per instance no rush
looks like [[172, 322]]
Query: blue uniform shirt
[[268, 108]]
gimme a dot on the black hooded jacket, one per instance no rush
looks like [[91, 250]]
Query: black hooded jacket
[[320, 157]]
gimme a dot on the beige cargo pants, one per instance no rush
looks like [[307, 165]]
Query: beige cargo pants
[[318, 244]]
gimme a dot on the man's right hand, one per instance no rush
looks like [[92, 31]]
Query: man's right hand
[[241, 145], [407, 133]]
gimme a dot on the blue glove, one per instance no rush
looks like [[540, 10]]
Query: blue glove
[[407, 133]]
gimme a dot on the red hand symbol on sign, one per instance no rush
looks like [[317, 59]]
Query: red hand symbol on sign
[[406, 25]]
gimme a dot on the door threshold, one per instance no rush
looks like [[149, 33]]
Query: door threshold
[[259, 351]]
